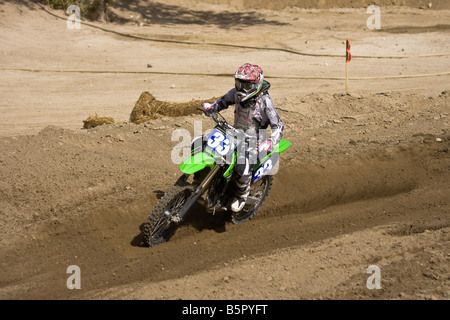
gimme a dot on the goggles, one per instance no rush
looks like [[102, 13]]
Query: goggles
[[244, 86]]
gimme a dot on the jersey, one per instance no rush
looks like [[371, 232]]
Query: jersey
[[257, 113]]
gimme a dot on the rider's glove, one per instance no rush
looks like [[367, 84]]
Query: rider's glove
[[266, 146], [208, 108]]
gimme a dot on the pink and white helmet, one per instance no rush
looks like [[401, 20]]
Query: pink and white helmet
[[248, 81]]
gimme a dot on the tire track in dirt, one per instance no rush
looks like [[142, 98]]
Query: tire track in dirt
[[308, 203], [80, 198], [192, 251]]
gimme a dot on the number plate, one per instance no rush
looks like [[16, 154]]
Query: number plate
[[263, 170], [220, 143]]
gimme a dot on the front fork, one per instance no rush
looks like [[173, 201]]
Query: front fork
[[203, 186]]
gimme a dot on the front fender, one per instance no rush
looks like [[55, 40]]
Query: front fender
[[197, 163], [282, 146]]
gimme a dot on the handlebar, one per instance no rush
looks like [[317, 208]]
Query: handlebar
[[216, 119]]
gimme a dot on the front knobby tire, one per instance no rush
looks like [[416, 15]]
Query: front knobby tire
[[160, 224], [258, 194]]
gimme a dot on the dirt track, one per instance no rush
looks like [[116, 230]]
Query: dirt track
[[364, 183]]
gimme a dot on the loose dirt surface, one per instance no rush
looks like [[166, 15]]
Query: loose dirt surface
[[365, 182]]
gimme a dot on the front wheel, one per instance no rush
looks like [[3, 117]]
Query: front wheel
[[258, 193], [163, 220]]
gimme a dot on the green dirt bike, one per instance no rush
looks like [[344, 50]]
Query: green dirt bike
[[208, 179]]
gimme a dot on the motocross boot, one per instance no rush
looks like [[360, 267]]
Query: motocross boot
[[242, 192], [237, 204]]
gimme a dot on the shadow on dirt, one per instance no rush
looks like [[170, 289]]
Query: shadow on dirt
[[170, 14], [138, 240], [198, 218], [418, 29], [20, 4]]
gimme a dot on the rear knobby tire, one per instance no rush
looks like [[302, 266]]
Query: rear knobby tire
[[160, 225], [258, 193]]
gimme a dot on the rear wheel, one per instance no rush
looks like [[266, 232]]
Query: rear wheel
[[258, 194], [162, 221]]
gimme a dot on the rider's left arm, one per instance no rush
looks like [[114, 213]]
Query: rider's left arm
[[276, 124]]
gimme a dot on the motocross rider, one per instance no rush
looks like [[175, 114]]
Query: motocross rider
[[254, 112]]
